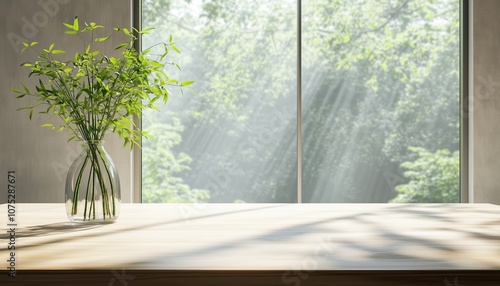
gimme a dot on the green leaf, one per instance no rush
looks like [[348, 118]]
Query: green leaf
[[155, 64], [68, 25], [71, 32], [192, 91], [75, 24], [25, 88], [126, 31], [186, 83], [47, 125], [16, 90], [146, 31], [175, 49], [55, 52], [102, 39], [121, 46]]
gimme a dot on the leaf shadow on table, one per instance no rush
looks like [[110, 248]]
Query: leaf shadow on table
[[52, 229], [398, 248], [66, 227]]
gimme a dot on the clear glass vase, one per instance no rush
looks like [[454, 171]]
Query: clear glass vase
[[93, 186]]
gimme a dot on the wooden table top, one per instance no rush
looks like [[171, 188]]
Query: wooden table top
[[260, 237]]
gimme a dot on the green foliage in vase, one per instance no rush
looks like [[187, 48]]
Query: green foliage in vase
[[93, 92]]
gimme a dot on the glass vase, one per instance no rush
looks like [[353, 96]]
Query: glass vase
[[93, 186]]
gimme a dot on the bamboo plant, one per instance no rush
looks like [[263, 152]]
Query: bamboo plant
[[94, 93]]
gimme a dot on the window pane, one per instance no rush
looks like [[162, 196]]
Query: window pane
[[381, 100], [235, 139]]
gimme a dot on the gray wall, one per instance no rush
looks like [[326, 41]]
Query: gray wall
[[40, 156], [486, 101]]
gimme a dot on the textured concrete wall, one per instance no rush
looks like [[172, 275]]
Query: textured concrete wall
[[486, 101], [40, 156]]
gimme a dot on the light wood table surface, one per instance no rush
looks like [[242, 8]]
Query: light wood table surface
[[260, 244]]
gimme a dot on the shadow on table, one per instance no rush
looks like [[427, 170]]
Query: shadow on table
[[395, 248], [51, 229]]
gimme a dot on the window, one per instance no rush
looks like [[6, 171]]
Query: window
[[379, 102]]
